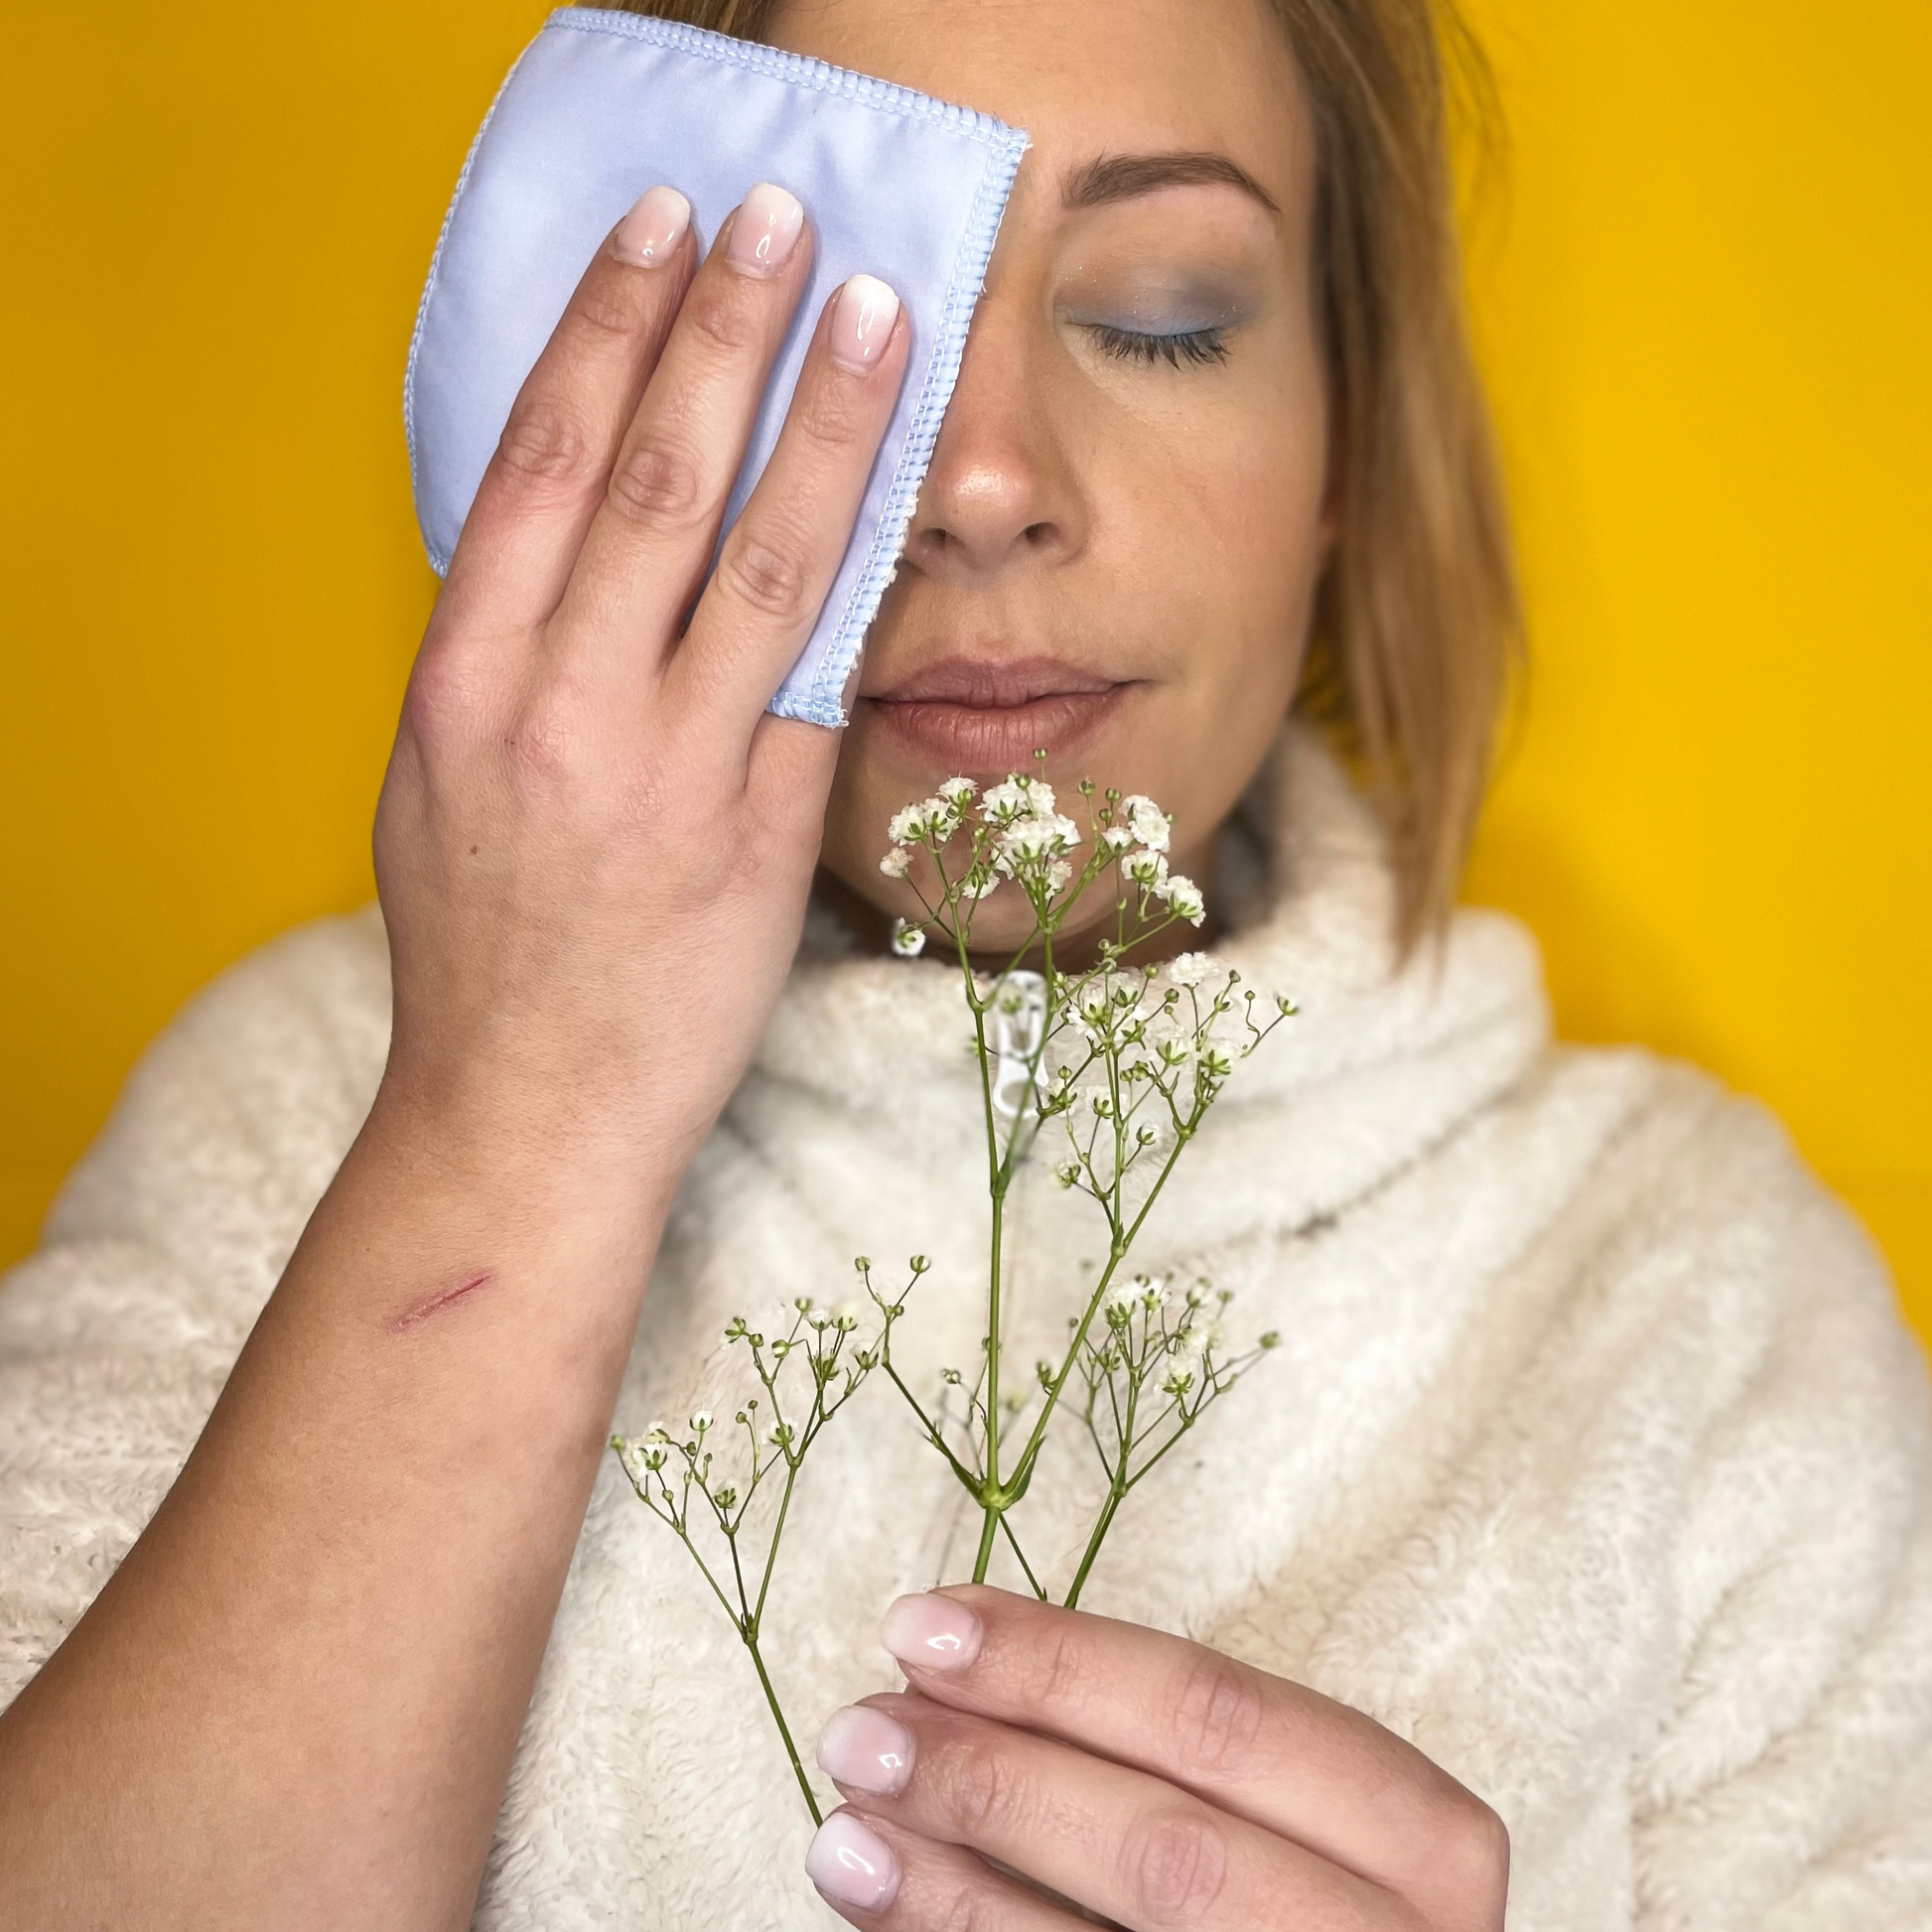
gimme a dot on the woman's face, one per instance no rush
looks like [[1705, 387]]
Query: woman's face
[[1117, 546]]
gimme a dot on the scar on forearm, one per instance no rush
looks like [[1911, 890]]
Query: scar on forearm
[[445, 1297]]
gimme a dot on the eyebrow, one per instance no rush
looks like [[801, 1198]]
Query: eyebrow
[[1120, 177]]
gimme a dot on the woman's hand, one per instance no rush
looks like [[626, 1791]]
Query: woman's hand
[[1138, 1779], [593, 847]]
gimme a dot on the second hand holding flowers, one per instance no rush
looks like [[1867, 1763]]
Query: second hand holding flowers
[[1136, 1066]]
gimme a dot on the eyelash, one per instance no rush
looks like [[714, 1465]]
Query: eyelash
[[1197, 348]]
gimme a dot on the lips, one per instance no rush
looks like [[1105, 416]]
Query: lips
[[985, 717]]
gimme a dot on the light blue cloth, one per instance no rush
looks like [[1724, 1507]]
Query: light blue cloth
[[603, 105]]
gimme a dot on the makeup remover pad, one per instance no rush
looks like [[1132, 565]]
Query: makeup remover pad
[[603, 105]]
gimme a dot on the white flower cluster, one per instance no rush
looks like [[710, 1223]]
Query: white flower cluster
[[1018, 832], [1157, 1341]]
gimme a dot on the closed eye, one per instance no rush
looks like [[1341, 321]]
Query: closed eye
[[1194, 347]]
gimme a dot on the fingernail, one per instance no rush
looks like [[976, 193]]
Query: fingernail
[[649, 234], [863, 319], [931, 1633], [865, 1749], [852, 1865], [765, 231]]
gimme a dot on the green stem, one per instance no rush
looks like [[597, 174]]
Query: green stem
[[992, 1380], [989, 1529], [777, 1530], [1012, 1542], [785, 1730], [1123, 1243], [1116, 1489], [1115, 1495]]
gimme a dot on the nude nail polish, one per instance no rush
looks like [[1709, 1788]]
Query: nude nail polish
[[764, 231], [931, 1632], [648, 237], [863, 319], [866, 1751], [853, 1863]]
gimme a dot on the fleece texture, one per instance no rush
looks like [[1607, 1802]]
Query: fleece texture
[[1595, 1459]]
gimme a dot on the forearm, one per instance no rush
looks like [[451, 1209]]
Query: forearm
[[297, 1702]]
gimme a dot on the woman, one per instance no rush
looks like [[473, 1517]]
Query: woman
[[1575, 1547]]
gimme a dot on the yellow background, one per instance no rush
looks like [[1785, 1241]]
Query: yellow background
[[1705, 304]]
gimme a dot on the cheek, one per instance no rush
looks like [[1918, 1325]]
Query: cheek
[[1219, 523]]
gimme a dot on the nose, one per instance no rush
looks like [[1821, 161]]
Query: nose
[[1001, 495]]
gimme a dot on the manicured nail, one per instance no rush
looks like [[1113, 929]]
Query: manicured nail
[[931, 1633], [863, 319], [852, 1865], [765, 231], [865, 1749], [649, 234]]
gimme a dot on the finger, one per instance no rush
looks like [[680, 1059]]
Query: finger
[[875, 1874], [1117, 1841], [784, 552], [1270, 1751], [788, 779], [651, 541], [547, 476]]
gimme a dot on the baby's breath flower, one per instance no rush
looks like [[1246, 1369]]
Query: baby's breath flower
[[1184, 899], [701, 1422], [1117, 838], [956, 791], [1002, 803], [1191, 969], [909, 942], [896, 863], [1058, 875], [1150, 824], [1148, 870], [1069, 1174], [1041, 835], [914, 822]]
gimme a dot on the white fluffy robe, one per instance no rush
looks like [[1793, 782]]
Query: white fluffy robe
[[1595, 1459]]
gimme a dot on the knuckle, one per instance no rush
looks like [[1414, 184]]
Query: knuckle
[[983, 1788], [1174, 1867], [721, 319], [599, 309], [1060, 1676], [768, 572], [444, 697], [975, 1907], [656, 483], [827, 417], [544, 448], [544, 744], [1468, 1848], [1217, 1716]]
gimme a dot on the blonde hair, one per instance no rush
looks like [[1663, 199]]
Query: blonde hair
[[1417, 623]]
